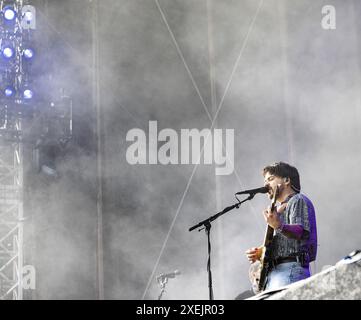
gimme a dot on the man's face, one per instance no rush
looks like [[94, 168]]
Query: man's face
[[272, 181]]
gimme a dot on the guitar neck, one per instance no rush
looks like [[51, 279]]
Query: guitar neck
[[270, 231], [266, 248], [268, 236]]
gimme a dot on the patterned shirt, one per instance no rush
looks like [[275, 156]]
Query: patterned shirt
[[299, 210]]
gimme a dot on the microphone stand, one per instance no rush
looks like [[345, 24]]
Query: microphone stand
[[206, 224], [162, 282]]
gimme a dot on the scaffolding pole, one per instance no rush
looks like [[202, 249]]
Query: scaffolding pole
[[98, 130]]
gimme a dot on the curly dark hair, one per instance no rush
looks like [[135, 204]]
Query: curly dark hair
[[284, 170]]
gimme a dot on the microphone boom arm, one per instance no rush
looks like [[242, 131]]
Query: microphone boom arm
[[217, 215]]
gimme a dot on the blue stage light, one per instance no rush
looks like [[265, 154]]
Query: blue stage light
[[8, 52], [28, 53], [9, 13], [9, 92], [28, 94]]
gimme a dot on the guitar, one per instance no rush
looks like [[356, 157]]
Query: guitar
[[259, 270]]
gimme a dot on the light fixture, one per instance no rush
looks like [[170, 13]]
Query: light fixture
[[28, 16], [8, 52], [28, 53], [9, 13], [9, 91], [27, 93]]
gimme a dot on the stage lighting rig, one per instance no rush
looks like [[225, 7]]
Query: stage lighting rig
[[26, 119], [16, 57], [17, 106]]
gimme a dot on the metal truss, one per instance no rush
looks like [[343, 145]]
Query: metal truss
[[11, 220], [11, 160]]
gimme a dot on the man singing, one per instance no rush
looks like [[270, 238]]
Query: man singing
[[294, 243]]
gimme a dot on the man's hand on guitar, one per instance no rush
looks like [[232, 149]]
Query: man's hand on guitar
[[253, 254], [272, 218]]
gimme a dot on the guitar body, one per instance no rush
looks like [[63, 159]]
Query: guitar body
[[259, 270]]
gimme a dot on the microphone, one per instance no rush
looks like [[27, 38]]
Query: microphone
[[255, 191], [169, 275]]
